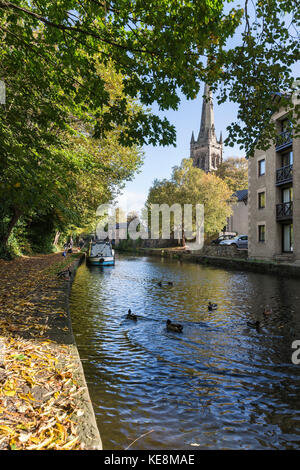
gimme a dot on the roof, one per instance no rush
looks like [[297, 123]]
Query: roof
[[241, 194]]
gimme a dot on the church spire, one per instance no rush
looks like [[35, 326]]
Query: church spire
[[207, 127], [207, 151]]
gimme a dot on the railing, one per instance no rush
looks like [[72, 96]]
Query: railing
[[284, 139], [284, 211], [284, 174]]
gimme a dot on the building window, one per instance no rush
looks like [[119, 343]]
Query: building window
[[287, 195], [261, 167], [287, 238], [261, 200], [287, 158], [261, 233]]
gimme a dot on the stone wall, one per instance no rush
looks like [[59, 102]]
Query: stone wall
[[160, 243], [223, 251], [216, 251]]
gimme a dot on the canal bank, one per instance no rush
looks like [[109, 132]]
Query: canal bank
[[87, 430], [44, 399], [236, 260]]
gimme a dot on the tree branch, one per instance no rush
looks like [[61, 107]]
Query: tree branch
[[72, 28]]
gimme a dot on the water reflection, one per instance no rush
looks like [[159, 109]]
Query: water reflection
[[219, 384]]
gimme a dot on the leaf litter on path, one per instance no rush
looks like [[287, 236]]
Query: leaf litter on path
[[39, 391]]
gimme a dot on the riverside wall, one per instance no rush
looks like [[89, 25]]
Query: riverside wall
[[87, 427]]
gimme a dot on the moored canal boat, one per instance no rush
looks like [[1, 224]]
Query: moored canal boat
[[101, 253]]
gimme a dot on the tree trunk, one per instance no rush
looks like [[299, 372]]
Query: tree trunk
[[183, 236], [183, 240], [56, 238], [15, 217]]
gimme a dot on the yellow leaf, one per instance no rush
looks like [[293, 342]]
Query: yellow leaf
[[27, 397], [45, 442], [6, 429], [31, 397], [62, 433], [9, 393], [35, 440], [70, 444]]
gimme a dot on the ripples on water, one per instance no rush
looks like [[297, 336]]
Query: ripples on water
[[218, 385]]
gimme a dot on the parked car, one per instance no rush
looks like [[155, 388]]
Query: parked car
[[240, 241], [218, 240]]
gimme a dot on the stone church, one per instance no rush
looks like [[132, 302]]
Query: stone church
[[207, 150]]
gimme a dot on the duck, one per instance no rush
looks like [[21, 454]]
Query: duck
[[254, 324], [212, 306], [267, 311], [170, 283], [159, 284], [174, 326], [131, 316]]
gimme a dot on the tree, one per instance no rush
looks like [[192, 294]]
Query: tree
[[259, 67], [234, 171], [160, 48], [191, 185], [51, 165]]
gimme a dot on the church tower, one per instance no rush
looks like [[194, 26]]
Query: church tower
[[207, 151]]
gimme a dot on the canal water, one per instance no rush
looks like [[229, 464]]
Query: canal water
[[220, 384]]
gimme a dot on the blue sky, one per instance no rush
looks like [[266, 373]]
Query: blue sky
[[159, 161]]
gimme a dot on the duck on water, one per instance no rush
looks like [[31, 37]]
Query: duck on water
[[174, 326], [212, 306], [255, 324], [131, 316]]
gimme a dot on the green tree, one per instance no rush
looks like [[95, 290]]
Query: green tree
[[234, 171], [258, 68], [160, 48], [51, 164], [91, 66], [190, 185]]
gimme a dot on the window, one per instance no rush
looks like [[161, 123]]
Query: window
[[261, 167], [261, 200], [287, 195], [261, 233], [287, 158], [287, 238]]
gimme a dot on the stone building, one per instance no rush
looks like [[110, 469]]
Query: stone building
[[207, 151], [274, 196], [238, 221]]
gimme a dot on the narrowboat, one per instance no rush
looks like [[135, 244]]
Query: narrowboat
[[101, 253]]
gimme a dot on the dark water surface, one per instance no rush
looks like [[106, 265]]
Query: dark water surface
[[218, 385]]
